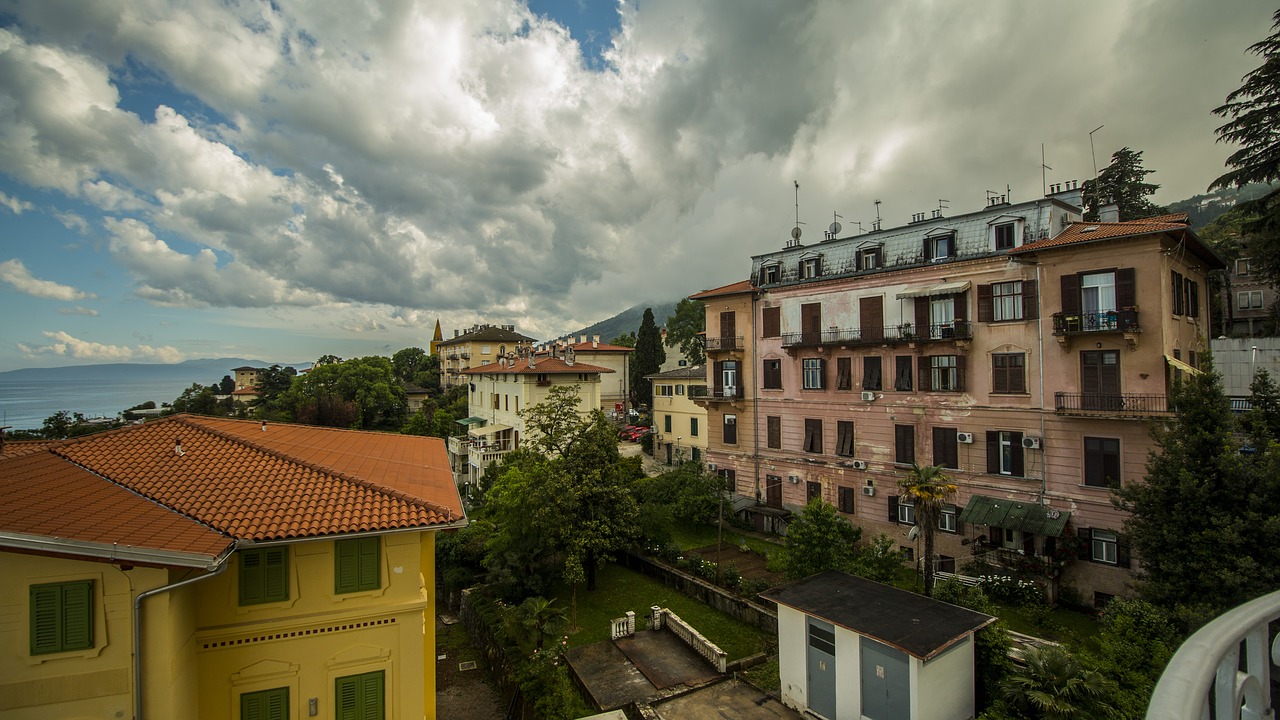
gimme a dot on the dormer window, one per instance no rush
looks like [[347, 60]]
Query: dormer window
[[769, 274], [940, 246], [1004, 235], [870, 258], [810, 267]]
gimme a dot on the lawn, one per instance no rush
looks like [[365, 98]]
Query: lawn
[[619, 590], [696, 536]]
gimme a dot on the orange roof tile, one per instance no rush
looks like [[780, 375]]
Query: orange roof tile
[[239, 479], [1084, 232], [742, 286], [18, 448], [599, 347], [542, 366]]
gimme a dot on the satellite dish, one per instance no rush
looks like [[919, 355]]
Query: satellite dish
[[914, 532], [795, 233], [835, 228]]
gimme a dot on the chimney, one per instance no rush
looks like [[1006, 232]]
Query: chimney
[[1068, 192], [1109, 213], [595, 341], [582, 339], [455, 332]]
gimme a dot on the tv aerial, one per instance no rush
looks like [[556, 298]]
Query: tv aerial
[[836, 227]]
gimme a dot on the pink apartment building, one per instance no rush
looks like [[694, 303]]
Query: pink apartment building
[[1020, 348]]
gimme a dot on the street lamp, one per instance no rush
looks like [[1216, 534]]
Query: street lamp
[[679, 457]]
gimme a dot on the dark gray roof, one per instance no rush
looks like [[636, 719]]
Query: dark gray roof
[[693, 372], [492, 333], [917, 625]]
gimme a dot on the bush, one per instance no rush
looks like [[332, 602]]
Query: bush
[[1011, 591], [731, 576]]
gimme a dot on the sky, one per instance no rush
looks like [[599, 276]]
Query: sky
[[283, 180]]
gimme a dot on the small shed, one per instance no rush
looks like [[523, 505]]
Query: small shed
[[853, 648]]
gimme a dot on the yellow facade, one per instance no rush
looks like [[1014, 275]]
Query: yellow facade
[[203, 649]]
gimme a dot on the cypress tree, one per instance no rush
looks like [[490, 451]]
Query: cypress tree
[[647, 360]]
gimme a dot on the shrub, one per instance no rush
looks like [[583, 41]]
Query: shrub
[[1010, 590]]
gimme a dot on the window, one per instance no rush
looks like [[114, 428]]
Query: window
[[1103, 547], [486, 349], [812, 435], [61, 617], [943, 374], [906, 512], [769, 274], [1192, 360], [1179, 289], [844, 438], [871, 373], [1008, 373], [666, 423], [662, 390], [264, 575], [810, 268], [939, 247], [730, 429], [360, 697], [356, 565], [693, 427], [772, 374], [1004, 453], [904, 444], [844, 500], [813, 491], [679, 389], [942, 316], [497, 401], [1006, 301], [1244, 266], [844, 373], [1004, 235], [730, 478], [902, 373], [771, 322], [270, 704], [870, 258], [728, 372], [947, 519], [946, 451], [1249, 300], [814, 373], [773, 424], [1193, 299], [1102, 462], [1098, 298]]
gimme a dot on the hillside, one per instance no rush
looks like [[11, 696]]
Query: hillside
[[1204, 209], [628, 321]]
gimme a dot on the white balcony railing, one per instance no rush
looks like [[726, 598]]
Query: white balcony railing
[[1204, 680]]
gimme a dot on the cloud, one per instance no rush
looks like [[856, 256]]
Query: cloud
[[15, 205], [77, 310], [15, 273], [72, 221], [64, 345]]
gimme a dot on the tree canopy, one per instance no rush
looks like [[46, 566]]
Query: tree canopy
[[684, 329], [361, 392], [928, 489], [819, 540], [648, 359], [1122, 182]]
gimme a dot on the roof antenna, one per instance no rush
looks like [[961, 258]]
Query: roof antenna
[[795, 231], [835, 226], [876, 226], [1044, 181]]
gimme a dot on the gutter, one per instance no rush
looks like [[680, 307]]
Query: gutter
[[218, 569], [455, 525], [113, 552]]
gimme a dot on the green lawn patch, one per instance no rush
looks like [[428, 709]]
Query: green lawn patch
[[1069, 627], [688, 537], [766, 676], [619, 590]]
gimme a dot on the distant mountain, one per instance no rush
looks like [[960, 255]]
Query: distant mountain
[[1204, 209], [205, 371], [628, 321]]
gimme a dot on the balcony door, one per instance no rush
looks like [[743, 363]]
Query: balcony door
[[1100, 379], [871, 317], [811, 323], [729, 378], [728, 329]]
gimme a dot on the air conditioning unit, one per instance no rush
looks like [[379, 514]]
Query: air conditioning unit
[[711, 467], [868, 395], [1030, 442], [858, 464], [794, 479], [868, 490], [964, 437]]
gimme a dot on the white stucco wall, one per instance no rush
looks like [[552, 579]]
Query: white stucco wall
[[942, 689], [792, 637]]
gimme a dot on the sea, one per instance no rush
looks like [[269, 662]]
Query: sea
[[30, 395]]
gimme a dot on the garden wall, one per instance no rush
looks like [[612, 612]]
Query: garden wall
[[759, 615]]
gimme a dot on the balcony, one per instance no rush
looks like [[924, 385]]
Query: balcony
[[1122, 321], [697, 392], [1111, 405], [459, 446], [1223, 670], [721, 393], [887, 335], [453, 355], [722, 344]]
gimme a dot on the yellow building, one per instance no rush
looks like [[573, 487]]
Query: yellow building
[[211, 568], [680, 423], [479, 345]]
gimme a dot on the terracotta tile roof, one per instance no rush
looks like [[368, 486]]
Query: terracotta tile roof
[[75, 504], [237, 480], [1085, 232], [599, 347], [251, 390], [742, 286], [542, 366], [18, 448]]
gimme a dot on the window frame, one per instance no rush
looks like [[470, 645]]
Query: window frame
[[1011, 228], [265, 711], [904, 373], [813, 373], [67, 610], [948, 519], [908, 517], [944, 373], [1248, 266], [812, 436], [1006, 301], [1104, 543], [845, 438], [693, 427], [666, 423], [770, 273], [904, 439], [771, 374], [1105, 451], [773, 432], [366, 554], [360, 692], [1004, 371], [728, 436], [846, 500], [872, 372]]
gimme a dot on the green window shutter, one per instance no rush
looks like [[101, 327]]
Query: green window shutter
[[356, 566], [370, 575], [270, 704], [360, 697], [371, 697], [276, 566], [46, 618], [264, 576], [251, 577], [77, 615], [348, 698]]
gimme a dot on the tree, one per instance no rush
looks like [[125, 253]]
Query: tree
[[196, 399], [648, 359], [58, 425], [408, 362], [226, 386], [685, 328], [818, 540], [1254, 112], [534, 621], [1122, 183], [1054, 685], [928, 488], [556, 422], [274, 382], [328, 360], [878, 560], [1136, 643], [624, 340], [327, 393], [1262, 422], [991, 644], [1203, 520]]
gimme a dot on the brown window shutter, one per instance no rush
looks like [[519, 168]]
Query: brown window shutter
[[822, 373], [1125, 288], [961, 303], [985, 313], [1017, 468], [1030, 301], [960, 373], [993, 452], [928, 250], [922, 316], [1071, 294], [926, 374], [893, 508], [775, 431], [772, 322]]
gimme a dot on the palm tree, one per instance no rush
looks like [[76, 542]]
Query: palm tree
[[927, 488], [534, 621], [1055, 686]]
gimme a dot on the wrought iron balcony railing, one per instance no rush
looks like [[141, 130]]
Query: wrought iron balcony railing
[[889, 334], [1111, 404], [723, 393], [697, 391], [1111, 321], [718, 344]]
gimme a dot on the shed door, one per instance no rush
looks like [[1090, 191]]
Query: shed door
[[886, 685], [822, 668], [773, 491]]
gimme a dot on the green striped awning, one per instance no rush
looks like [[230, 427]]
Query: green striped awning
[[473, 420], [1028, 517]]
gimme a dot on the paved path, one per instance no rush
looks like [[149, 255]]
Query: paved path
[[463, 694]]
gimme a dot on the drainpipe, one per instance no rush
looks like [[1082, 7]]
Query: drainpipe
[[1044, 487], [137, 626], [755, 393]]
